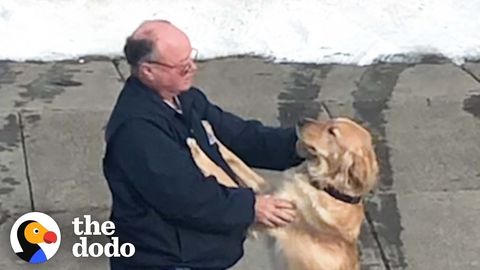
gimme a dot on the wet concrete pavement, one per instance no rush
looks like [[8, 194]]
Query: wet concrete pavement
[[425, 119]]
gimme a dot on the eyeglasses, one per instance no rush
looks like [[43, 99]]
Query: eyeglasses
[[183, 68]]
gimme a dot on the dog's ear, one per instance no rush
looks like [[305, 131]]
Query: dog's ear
[[361, 170]]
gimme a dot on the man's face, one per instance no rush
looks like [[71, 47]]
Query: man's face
[[175, 68]]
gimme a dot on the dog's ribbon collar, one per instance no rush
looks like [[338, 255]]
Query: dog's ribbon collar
[[341, 196]]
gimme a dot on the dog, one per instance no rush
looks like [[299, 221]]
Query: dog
[[328, 188]]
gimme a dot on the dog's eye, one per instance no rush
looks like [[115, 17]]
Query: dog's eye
[[311, 149]]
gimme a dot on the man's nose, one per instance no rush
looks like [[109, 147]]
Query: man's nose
[[193, 66]]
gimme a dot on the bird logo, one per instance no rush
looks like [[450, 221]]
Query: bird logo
[[35, 237]]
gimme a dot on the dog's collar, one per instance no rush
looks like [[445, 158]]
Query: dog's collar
[[342, 196]]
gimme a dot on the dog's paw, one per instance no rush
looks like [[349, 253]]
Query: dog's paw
[[191, 142], [193, 145]]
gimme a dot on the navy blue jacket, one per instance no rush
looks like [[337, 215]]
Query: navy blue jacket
[[162, 204]]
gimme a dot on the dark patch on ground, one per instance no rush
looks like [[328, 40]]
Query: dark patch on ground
[[48, 85], [299, 99], [263, 74], [57, 212], [412, 59], [4, 215], [472, 105], [429, 102], [371, 98], [6, 190], [3, 168], [369, 250], [66, 83], [7, 75], [9, 133], [37, 62], [434, 59], [10, 181], [32, 118]]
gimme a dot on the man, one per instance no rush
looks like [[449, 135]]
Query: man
[[175, 217]]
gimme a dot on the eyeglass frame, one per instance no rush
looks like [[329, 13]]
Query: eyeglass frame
[[185, 67]]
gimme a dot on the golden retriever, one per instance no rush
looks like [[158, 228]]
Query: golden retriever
[[340, 168]]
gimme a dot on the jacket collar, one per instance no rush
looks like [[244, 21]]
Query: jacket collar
[[186, 99]]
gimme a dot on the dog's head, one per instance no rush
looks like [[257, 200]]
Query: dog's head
[[339, 153]]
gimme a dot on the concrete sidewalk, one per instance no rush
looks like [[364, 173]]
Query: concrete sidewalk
[[425, 119]]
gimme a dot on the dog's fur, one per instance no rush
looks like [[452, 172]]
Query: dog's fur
[[338, 153]]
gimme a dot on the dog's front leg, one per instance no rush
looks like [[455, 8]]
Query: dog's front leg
[[245, 175], [207, 166]]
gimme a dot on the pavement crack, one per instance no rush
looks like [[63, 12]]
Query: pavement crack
[[469, 72], [116, 64], [376, 237], [25, 158]]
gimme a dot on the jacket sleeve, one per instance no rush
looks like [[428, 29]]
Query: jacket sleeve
[[164, 173], [257, 145]]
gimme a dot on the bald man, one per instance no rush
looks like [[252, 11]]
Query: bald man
[[175, 217]]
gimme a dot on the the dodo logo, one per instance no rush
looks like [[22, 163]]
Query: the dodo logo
[[35, 237]]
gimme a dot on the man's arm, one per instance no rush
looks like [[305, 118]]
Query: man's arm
[[165, 175], [257, 145]]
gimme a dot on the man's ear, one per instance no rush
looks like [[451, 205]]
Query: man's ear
[[145, 73]]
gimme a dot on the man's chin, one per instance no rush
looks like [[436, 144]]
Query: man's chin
[[184, 87]]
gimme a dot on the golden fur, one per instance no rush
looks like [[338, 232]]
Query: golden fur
[[324, 235]]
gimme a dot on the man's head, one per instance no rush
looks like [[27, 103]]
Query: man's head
[[160, 55]]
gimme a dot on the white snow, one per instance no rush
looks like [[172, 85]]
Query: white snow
[[317, 31]]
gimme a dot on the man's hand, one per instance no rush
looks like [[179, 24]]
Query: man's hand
[[273, 212]]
